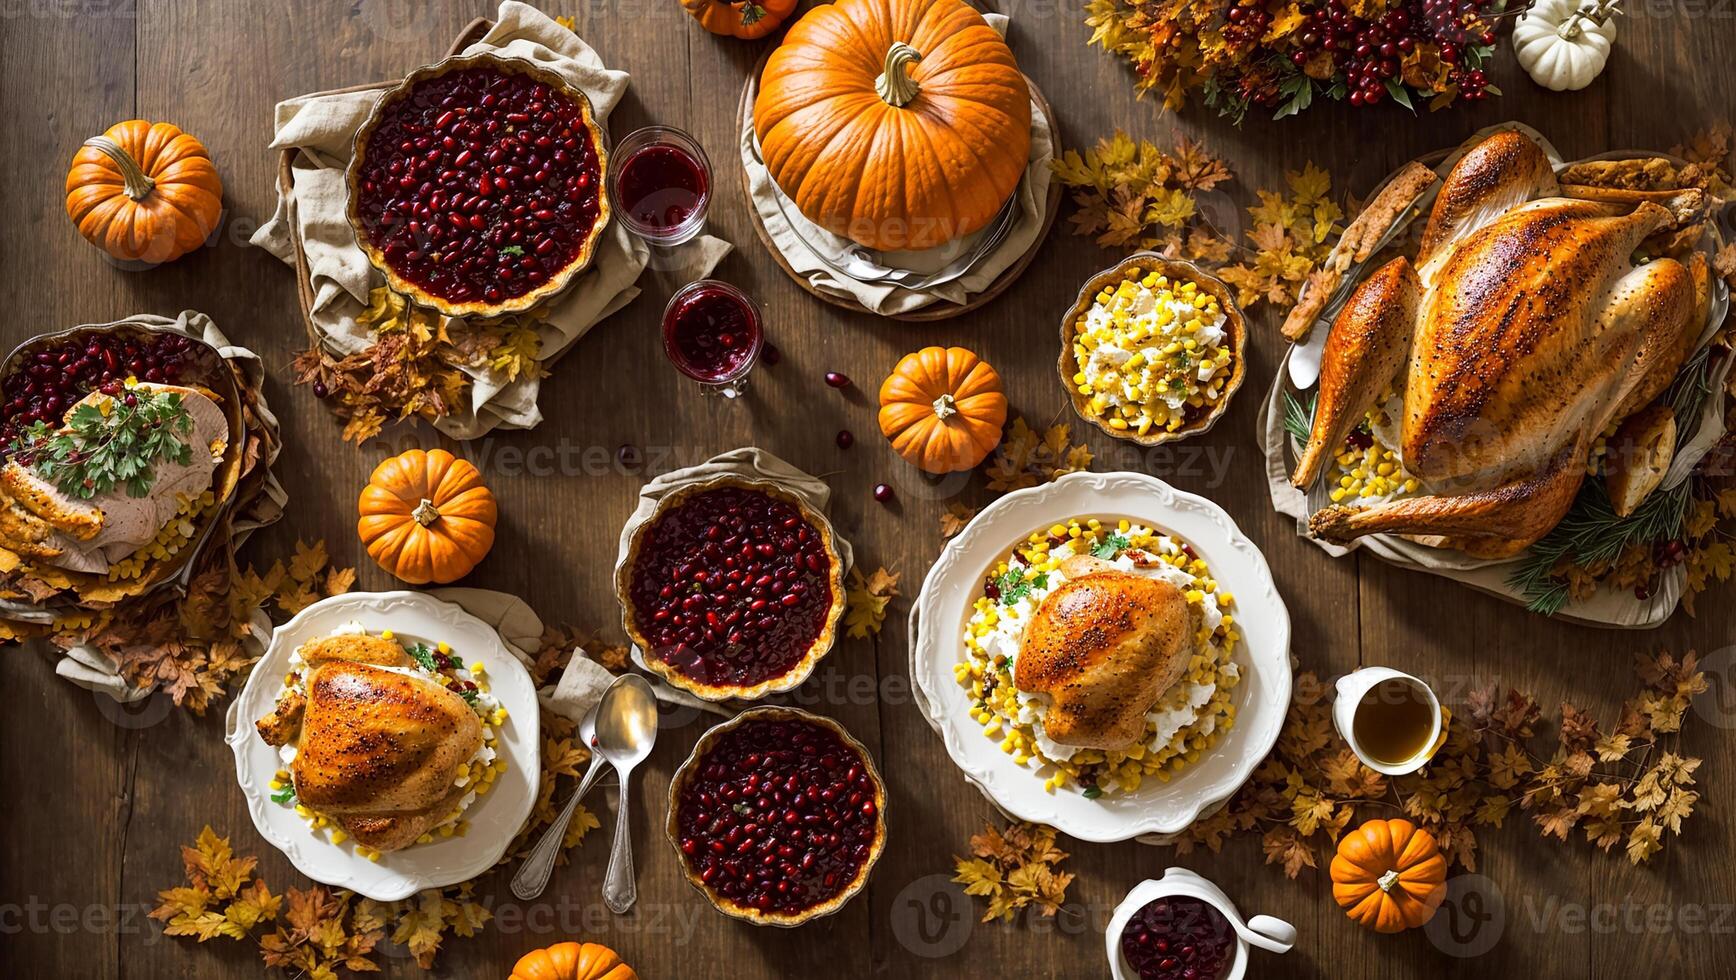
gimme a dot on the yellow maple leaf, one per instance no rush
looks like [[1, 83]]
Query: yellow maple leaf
[[252, 905], [865, 601], [309, 560], [1644, 840]]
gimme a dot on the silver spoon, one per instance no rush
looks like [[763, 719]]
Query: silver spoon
[[625, 735], [533, 874]]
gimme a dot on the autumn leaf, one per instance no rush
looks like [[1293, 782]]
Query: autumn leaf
[[1014, 869], [865, 601], [1026, 458], [954, 520]]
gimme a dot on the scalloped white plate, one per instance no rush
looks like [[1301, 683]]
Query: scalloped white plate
[[1261, 698], [494, 818]]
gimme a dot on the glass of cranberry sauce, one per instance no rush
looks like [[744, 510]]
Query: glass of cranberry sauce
[[712, 333], [660, 184]]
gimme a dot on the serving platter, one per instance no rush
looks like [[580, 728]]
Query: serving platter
[[1299, 372], [495, 819], [1261, 698]]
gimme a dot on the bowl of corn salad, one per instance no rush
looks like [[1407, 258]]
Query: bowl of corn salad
[[463, 653], [1153, 349], [1206, 734], [1188, 719]]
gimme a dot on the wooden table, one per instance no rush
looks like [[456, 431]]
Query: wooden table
[[98, 801]]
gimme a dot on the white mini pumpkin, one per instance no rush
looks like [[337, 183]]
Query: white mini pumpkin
[[1561, 50]]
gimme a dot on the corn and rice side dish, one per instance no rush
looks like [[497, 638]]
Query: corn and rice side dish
[[1367, 470], [1187, 720], [480, 772], [1152, 353]]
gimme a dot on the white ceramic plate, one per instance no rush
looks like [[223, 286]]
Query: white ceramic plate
[[495, 818], [1261, 698]]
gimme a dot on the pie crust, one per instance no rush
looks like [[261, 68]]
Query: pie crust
[[478, 309], [683, 775], [798, 672]]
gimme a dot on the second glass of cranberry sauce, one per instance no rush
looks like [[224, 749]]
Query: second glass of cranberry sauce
[[731, 586], [661, 185], [711, 332], [479, 185]]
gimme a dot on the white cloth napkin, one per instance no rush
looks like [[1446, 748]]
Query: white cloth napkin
[[750, 463], [312, 215], [88, 667], [796, 238]]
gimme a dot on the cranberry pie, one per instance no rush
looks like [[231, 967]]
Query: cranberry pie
[[476, 185], [779, 816], [733, 589]]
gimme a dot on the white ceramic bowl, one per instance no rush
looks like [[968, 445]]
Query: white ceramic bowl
[[494, 818], [1272, 934], [1261, 698]]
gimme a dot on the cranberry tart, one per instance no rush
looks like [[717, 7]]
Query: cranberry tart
[[778, 816], [733, 589], [476, 185]]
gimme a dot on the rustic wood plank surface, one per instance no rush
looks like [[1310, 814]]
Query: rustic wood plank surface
[[99, 797]]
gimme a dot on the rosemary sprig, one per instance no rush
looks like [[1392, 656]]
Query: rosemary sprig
[[1299, 415], [99, 450], [1592, 532]]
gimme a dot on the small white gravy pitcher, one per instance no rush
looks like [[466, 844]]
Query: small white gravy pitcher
[[1271, 934], [1354, 686]]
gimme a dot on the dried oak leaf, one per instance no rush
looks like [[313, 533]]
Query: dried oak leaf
[[865, 601]]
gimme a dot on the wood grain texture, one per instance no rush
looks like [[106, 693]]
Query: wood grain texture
[[101, 799]]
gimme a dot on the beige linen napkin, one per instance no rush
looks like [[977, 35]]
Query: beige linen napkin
[[792, 233], [1607, 607], [89, 668], [322, 127], [749, 463]]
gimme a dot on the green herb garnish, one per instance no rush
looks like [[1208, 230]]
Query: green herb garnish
[[1299, 416], [1111, 546], [1092, 792], [97, 452], [423, 654], [514, 250], [469, 696], [1014, 585], [284, 795]]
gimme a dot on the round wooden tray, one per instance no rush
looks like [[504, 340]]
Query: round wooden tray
[[940, 309]]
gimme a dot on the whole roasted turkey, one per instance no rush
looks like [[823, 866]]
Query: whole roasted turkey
[[1529, 325]]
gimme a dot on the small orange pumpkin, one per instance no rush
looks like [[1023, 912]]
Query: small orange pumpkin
[[144, 192], [943, 408], [744, 18], [426, 517], [572, 961], [1389, 875]]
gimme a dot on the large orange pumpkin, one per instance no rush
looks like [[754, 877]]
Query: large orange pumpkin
[[572, 961], [741, 18], [943, 408], [144, 192], [900, 124], [426, 517], [1389, 875]]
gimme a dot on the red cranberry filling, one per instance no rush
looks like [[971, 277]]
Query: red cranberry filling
[[1178, 938], [731, 586], [780, 816], [480, 184], [51, 380]]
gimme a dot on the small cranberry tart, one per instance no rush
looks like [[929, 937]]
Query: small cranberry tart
[[733, 589], [778, 816], [476, 185]]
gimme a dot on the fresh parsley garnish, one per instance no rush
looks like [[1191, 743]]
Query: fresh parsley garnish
[[98, 451], [1092, 792], [513, 250], [1111, 546], [469, 696], [1015, 585], [423, 654], [284, 795]]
